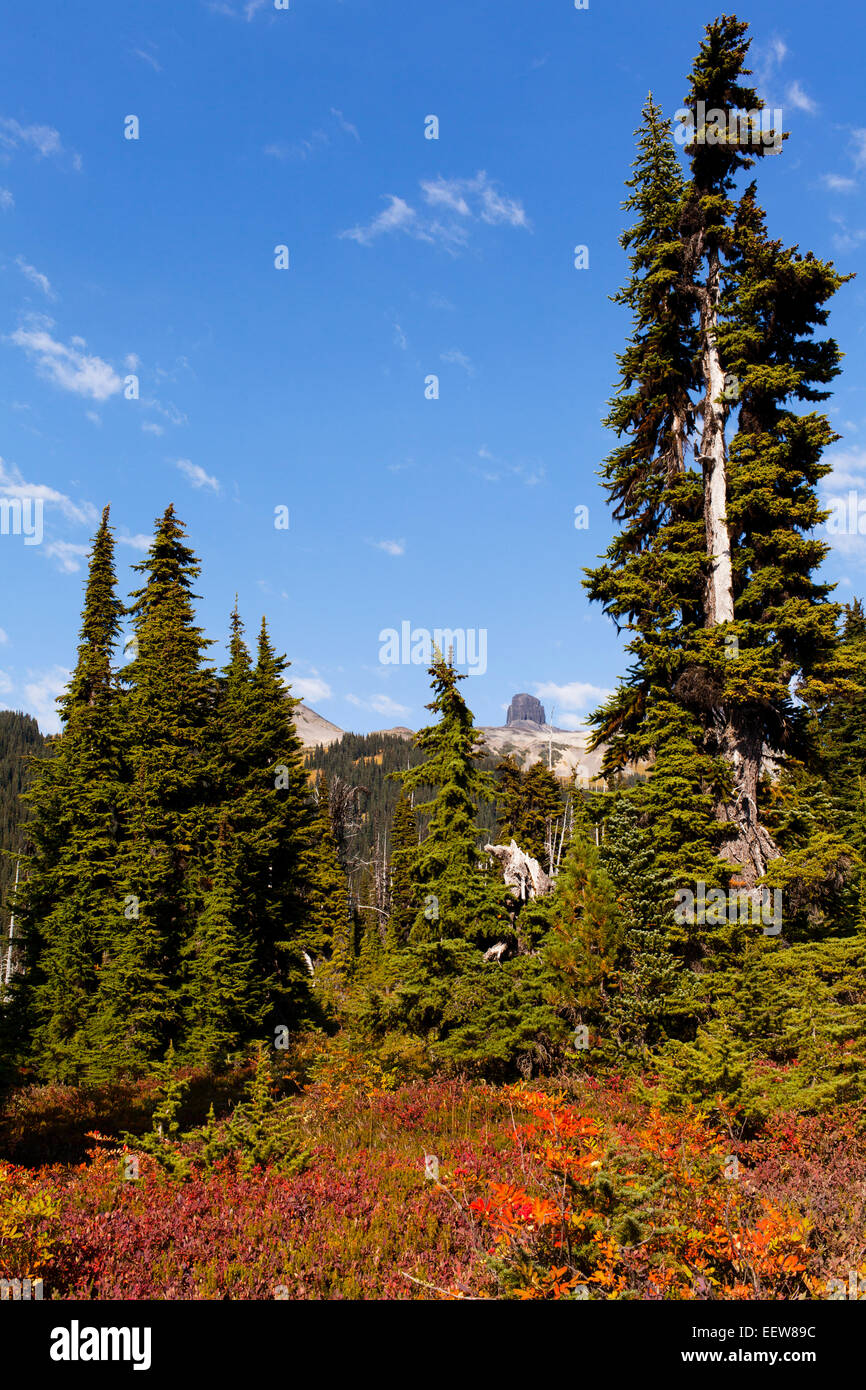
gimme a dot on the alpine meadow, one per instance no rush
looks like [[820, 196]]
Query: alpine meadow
[[308, 995]]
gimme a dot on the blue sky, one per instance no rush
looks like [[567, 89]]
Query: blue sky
[[408, 257]]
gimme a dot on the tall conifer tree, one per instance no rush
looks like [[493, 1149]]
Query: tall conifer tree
[[66, 909], [161, 887], [404, 843], [712, 569], [456, 894]]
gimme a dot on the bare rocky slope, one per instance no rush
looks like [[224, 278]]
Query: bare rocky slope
[[529, 742]]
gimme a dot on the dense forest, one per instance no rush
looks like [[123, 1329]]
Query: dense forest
[[201, 900], [361, 773], [20, 739]]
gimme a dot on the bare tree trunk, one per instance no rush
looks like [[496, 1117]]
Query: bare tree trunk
[[7, 972], [737, 730], [750, 844], [720, 582]]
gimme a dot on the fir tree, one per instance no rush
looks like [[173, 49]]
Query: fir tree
[[265, 799], [457, 895], [840, 720], [586, 932], [225, 998], [652, 581], [711, 570], [160, 888], [20, 742], [528, 806], [404, 843], [329, 929], [67, 906], [656, 997]]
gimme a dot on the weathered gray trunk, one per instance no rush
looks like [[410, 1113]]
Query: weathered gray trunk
[[739, 734], [750, 844], [523, 875], [720, 582]]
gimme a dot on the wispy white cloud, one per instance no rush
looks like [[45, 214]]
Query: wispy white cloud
[[197, 475], [390, 547], [380, 704], [35, 277], [139, 542], [858, 147], [310, 688], [796, 97], [168, 410], [151, 427], [575, 698], [69, 367], [458, 359], [41, 693], [477, 198], [13, 485], [68, 554], [44, 140], [7, 202], [768, 58], [398, 216], [837, 183], [299, 149], [312, 144], [451, 208], [148, 57], [345, 125], [247, 10], [499, 471], [4, 637], [847, 238]]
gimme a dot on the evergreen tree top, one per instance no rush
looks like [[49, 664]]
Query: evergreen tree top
[[168, 560], [100, 627], [454, 744], [715, 80]]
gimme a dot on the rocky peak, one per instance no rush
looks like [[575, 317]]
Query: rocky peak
[[525, 707]]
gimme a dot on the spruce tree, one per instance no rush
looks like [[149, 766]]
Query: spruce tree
[[329, 928], [712, 569], [20, 741], [656, 997], [457, 895], [652, 581], [225, 997], [840, 713], [66, 909], [166, 812], [528, 806], [585, 941], [264, 797], [404, 843]]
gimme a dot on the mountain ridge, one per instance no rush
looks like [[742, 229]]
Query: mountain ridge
[[564, 750]]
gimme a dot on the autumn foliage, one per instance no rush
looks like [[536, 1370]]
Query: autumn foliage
[[541, 1194]]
